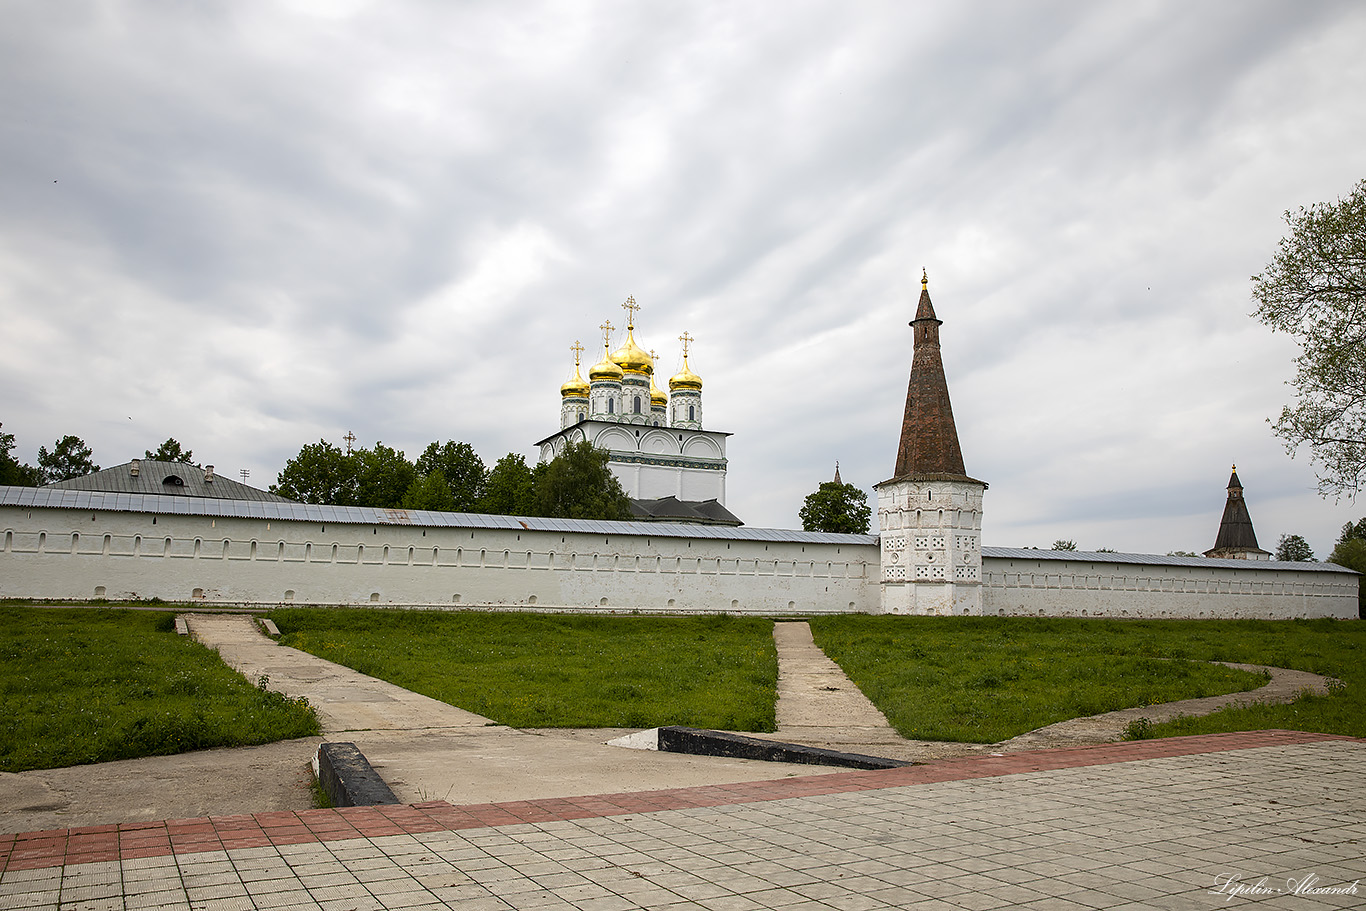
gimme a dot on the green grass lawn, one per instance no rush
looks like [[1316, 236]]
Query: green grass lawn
[[90, 685], [986, 679], [558, 670]]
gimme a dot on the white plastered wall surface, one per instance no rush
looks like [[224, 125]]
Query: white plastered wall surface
[[400, 559]]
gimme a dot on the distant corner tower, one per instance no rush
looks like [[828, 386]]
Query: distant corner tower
[[930, 511], [1236, 539], [672, 469]]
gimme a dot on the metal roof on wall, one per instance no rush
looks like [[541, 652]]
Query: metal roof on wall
[[157, 504], [1087, 556]]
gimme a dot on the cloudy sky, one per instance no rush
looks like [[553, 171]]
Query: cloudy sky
[[251, 226]]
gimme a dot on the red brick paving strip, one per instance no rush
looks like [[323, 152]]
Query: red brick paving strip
[[60, 847]]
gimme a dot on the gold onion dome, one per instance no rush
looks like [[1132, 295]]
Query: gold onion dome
[[685, 379], [604, 369], [576, 387], [631, 358], [658, 397]]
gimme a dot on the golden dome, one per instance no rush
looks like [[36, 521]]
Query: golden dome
[[575, 387], [604, 370], [685, 379], [631, 358], [658, 397]]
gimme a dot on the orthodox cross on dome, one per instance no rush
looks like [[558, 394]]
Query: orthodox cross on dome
[[577, 348], [654, 355], [630, 307], [686, 339], [349, 438], [607, 328]]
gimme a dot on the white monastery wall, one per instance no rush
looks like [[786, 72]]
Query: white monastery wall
[[70, 554], [1015, 587], [83, 554]]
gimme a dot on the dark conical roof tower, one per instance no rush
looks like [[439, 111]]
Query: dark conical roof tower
[[929, 440], [1236, 538]]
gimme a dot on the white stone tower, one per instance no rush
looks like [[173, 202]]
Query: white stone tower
[[604, 382], [685, 393], [574, 394], [637, 370], [930, 511]]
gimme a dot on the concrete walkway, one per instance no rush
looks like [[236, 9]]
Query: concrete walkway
[[428, 750], [1170, 824]]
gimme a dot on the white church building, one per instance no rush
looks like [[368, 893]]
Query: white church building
[[670, 466], [157, 530]]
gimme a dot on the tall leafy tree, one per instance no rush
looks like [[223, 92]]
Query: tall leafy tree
[[384, 476], [1351, 553], [511, 488], [836, 507], [577, 484], [463, 470], [1315, 290], [1294, 549], [430, 491], [14, 473], [170, 451], [70, 458], [320, 473]]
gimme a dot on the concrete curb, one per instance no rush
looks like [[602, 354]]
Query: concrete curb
[[736, 746], [348, 778]]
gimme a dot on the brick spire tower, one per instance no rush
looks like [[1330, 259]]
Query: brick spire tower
[[930, 511], [929, 439]]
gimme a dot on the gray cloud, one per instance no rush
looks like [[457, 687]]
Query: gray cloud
[[272, 223]]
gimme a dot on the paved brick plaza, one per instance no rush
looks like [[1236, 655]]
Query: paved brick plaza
[[1153, 824]]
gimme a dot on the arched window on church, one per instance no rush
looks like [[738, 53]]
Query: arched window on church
[[581, 416], [611, 406], [692, 413], [637, 404]]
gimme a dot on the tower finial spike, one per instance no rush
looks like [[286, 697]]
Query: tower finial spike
[[924, 279]]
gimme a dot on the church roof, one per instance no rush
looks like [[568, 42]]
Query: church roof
[[172, 479], [672, 509], [929, 440]]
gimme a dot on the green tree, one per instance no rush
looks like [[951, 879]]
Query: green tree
[[1062, 544], [577, 484], [383, 477], [430, 491], [1294, 549], [1181, 553], [462, 468], [70, 458], [511, 488], [836, 507], [170, 451], [320, 473], [13, 473], [1315, 289], [1351, 553]]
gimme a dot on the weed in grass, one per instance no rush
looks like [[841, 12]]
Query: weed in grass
[[559, 670], [80, 686], [1139, 729]]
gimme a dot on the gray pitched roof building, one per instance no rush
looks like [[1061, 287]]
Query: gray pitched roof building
[[177, 479]]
